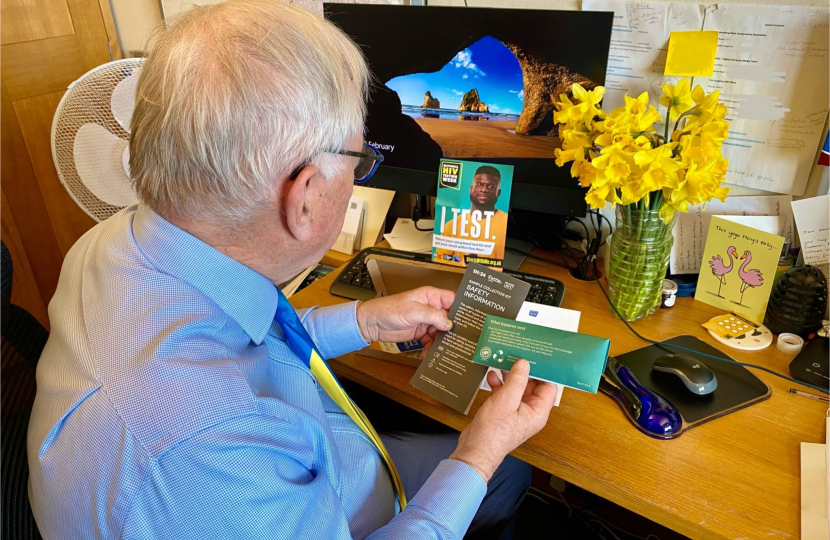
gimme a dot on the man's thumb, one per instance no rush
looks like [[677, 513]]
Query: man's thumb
[[515, 384]]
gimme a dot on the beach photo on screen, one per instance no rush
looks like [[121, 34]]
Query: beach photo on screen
[[471, 83]]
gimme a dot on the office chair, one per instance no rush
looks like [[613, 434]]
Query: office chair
[[22, 339]]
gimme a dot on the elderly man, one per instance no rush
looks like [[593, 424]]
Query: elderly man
[[179, 395]]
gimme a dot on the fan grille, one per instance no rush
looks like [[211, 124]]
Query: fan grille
[[88, 101]]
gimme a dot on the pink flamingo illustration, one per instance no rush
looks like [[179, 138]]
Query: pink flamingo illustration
[[719, 270], [750, 278]]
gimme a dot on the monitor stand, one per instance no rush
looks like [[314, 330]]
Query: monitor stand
[[512, 259]]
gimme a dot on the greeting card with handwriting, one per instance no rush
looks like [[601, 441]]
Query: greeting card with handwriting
[[738, 266]]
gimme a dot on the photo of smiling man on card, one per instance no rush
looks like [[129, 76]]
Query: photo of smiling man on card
[[471, 213]]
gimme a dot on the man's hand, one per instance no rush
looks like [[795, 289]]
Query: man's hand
[[417, 314], [516, 411]]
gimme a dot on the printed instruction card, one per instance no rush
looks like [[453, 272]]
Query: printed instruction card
[[574, 360], [448, 373]]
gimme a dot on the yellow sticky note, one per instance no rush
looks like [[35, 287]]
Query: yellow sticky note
[[692, 54]]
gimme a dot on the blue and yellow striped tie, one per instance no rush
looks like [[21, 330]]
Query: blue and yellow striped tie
[[302, 345]]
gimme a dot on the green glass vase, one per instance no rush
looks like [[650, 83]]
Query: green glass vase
[[640, 249]]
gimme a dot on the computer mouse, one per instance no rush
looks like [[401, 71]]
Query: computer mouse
[[694, 374]]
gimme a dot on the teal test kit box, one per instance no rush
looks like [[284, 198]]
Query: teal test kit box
[[567, 358]]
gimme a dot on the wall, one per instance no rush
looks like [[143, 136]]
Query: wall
[[135, 20]]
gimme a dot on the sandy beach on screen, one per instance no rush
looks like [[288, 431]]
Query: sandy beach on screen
[[487, 138]]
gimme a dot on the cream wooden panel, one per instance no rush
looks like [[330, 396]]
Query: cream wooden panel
[[28, 20]]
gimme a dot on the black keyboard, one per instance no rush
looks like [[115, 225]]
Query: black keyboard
[[354, 281]]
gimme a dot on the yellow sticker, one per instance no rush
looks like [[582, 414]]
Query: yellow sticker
[[692, 54]]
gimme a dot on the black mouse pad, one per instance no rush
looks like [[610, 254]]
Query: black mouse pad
[[737, 386]]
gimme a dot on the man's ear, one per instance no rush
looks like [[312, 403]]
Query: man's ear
[[297, 204]]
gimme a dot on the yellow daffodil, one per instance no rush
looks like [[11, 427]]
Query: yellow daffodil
[[700, 181], [566, 112], [660, 170], [632, 191], [669, 208], [644, 121], [638, 105], [721, 164], [677, 98], [720, 193], [615, 163], [588, 101], [587, 173], [574, 143], [715, 132], [620, 158], [703, 101], [598, 196]]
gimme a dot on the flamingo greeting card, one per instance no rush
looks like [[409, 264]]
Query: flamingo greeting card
[[738, 266]]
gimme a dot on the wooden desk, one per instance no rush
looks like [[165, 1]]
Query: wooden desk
[[737, 477], [335, 258]]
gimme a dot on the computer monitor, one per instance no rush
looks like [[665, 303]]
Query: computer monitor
[[478, 84]]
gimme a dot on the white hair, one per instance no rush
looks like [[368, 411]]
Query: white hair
[[233, 97]]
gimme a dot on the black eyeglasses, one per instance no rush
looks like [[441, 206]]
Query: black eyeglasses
[[366, 166]]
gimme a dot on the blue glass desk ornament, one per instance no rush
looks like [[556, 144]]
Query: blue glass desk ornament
[[646, 410]]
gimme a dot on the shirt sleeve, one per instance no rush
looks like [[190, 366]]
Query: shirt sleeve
[[443, 508], [333, 328], [256, 477]]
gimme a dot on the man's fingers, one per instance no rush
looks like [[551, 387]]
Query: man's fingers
[[514, 385], [429, 316], [493, 380], [444, 296], [440, 298]]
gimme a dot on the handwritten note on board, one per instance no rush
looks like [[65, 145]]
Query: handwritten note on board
[[772, 70], [740, 264], [812, 217], [691, 229], [639, 44], [771, 66]]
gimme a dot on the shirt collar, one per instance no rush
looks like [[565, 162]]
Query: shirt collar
[[243, 294]]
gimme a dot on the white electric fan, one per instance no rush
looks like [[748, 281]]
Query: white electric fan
[[91, 138]]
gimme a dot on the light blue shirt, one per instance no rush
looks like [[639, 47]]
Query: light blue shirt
[[169, 406]]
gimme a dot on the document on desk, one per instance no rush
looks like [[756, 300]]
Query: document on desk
[[406, 237], [814, 484], [352, 230], [639, 44], [692, 228], [376, 204], [812, 217], [772, 70]]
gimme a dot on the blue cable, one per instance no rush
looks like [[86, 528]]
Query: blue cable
[[718, 358]]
